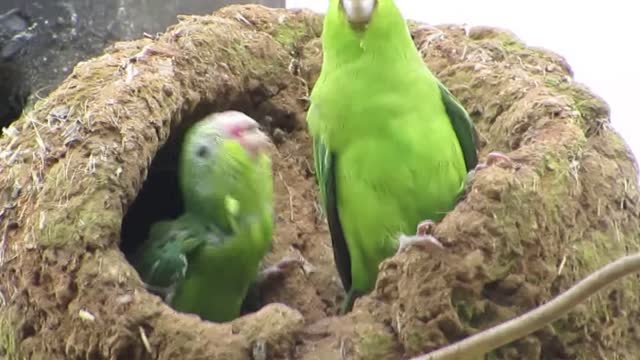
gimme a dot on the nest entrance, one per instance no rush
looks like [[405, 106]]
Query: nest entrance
[[160, 197]]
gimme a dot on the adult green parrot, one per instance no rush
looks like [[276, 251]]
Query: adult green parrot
[[392, 146], [204, 261]]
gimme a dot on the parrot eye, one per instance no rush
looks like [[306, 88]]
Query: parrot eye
[[202, 151]]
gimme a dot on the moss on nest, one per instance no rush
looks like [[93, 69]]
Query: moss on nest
[[7, 336]]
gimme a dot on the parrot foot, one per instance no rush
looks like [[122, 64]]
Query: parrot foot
[[422, 238], [426, 242], [253, 300], [495, 157], [425, 227], [279, 269]]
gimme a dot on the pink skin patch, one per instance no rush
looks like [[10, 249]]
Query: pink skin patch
[[237, 130], [244, 134]]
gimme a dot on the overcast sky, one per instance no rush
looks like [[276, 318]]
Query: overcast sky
[[598, 39]]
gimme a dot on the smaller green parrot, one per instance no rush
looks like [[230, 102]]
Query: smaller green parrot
[[206, 260]]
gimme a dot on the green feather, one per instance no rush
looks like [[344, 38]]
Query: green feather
[[392, 146], [462, 125]]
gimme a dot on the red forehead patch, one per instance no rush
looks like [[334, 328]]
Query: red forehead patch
[[235, 130]]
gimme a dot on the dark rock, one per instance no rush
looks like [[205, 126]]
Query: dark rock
[[42, 40]]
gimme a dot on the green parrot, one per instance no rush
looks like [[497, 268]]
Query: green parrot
[[205, 261], [392, 146]]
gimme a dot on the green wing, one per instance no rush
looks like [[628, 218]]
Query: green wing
[[325, 164], [463, 127], [162, 260]]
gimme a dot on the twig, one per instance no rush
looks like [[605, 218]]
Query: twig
[[290, 195], [523, 325], [145, 340], [38, 137], [86, 316], [3, 243], [562, 263], [3, 246]]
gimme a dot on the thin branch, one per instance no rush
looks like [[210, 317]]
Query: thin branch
[[523, 325], [290, 196]]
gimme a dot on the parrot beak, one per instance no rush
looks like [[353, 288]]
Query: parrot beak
[[256, 142], [245, 130], [359, 12]]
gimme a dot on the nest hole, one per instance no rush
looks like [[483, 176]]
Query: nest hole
[[160, 197]]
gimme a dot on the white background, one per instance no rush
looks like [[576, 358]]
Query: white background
[[598, 39]]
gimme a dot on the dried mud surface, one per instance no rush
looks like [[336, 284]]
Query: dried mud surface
[[72, 167]]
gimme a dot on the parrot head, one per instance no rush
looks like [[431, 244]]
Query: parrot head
[[208, 134], [361, 14], [354, 27], [358, 12], [217, 154]]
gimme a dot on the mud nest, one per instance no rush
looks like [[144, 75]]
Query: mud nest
[[72, 203]]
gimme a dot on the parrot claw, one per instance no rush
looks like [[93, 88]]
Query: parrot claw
[[494, 158], [279, 269], [422, 238], [427, 242], [425, 227]]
